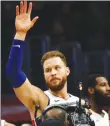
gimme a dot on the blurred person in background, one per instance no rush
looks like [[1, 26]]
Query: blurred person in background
[[99, 97], [55, 116]]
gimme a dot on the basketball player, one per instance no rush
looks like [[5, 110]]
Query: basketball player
[[54, 67], [99, 96]]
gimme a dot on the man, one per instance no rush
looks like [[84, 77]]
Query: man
[[99, 96], [54, 66]]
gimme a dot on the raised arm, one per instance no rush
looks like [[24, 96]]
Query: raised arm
[[28, 94]]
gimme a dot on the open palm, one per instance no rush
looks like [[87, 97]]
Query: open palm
[[23, 22]]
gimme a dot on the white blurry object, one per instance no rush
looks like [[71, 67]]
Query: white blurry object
[[26, 124]]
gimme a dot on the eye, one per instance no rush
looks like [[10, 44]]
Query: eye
[[47, 70], [103, 84], [58, 67]]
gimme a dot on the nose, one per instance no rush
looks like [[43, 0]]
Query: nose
[[108, 88], [53, 72]]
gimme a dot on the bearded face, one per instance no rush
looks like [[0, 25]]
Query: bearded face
[[55, 73], [102, 92], [56, 84], [101, 99]]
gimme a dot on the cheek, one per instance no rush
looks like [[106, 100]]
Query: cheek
[[46, 76], [101, 90], [62, 73]]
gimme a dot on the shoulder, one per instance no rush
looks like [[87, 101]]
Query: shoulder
[[106, 115], [73, 96], [46, 91], [49, 94]]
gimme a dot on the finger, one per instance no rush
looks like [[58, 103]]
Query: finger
[[34, 20], [21, 7], [30, 8], [25, 6], [17, 10]]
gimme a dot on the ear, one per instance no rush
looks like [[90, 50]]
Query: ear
[[91, 90], [67, 71]]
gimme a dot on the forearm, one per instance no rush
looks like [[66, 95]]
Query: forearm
[[23, 24], [14, 72]]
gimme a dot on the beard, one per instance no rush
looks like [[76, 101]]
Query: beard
[[57, 85], [101, 99]]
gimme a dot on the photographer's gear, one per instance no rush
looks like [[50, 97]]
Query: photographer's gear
[[67, 113], [74, 113], [52, 122]]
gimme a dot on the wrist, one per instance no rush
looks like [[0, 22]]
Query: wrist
[[20, 35]]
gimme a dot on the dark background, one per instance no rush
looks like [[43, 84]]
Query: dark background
[[68, 25]]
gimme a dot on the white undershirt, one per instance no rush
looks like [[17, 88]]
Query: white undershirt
[[99, 120]]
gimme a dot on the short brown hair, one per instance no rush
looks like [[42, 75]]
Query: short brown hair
[[52, 54]]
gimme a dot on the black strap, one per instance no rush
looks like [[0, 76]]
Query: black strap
[[36, 109]]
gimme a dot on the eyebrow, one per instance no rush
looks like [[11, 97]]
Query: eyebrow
[[54, 66], [103, 82]]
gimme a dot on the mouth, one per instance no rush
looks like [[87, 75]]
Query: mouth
[[108, 94], [54, 79]]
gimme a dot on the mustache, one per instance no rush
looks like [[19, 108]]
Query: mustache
[[102, 99], [107, 94], [54, 78]]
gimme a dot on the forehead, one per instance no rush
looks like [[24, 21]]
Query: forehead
[[53, 62], [101, 80]]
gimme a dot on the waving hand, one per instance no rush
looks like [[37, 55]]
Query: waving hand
[[23, 20]]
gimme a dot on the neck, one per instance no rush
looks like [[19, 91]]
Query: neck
[[62, 93], [96, 108]]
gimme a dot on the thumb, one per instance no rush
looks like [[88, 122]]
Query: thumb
[[34, 20]]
